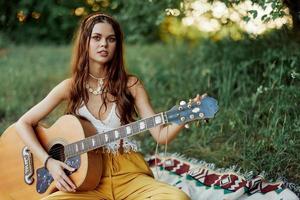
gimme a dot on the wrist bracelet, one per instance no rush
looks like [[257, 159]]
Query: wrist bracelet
[[46, 161]]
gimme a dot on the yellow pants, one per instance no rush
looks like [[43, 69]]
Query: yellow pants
[[125, 176]]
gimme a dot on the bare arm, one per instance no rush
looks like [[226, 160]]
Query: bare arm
[[164, 133], [31, 118], [25, 124]]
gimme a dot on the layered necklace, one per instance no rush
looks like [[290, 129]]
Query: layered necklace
[[100, 87]]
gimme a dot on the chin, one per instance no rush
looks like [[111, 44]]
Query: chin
[[101, 60]]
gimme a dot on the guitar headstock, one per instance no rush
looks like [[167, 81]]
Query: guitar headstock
[[191, 111]]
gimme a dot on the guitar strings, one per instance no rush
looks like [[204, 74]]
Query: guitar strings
[[58, 151], [165, 152], [156, 155]]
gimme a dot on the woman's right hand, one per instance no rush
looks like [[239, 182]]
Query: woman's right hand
[[62, 181]]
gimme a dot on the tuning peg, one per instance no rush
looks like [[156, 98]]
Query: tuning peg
[[201, 115], [190, 103], [196, 110], [182, 118], [186, 126], [182, 103]]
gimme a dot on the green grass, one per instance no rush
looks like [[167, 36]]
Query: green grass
[[27, 74], [255, 81]]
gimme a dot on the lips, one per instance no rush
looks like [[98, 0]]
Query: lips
[[103, 53]]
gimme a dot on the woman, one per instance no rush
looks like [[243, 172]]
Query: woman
[[101, 91]]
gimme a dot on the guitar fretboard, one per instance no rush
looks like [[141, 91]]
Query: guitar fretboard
[[99, 140]]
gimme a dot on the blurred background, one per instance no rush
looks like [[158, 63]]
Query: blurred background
[[245, 53]]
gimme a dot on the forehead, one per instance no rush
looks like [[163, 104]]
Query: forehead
[[103, 28]]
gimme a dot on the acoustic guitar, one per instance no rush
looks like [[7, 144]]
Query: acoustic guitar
[[73, 140]]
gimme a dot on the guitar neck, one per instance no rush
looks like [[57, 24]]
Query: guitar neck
[[99, 140]]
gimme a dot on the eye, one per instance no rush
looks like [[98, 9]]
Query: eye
[[111, 39], [96, 37]]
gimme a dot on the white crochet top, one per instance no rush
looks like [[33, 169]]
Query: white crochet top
[[111, 122]]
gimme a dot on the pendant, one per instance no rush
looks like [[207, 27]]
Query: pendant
[[97, 91]]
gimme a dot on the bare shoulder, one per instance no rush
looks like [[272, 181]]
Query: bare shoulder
[[66, 84], [134, 84], [59, 93], [133, 81], [141, 97], [63, 89]]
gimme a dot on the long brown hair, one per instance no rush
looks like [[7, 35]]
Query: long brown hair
[[116, 74]]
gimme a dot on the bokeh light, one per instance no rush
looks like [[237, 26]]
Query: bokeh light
[[209, 17]]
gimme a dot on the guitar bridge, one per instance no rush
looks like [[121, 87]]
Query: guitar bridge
[[28, 165]]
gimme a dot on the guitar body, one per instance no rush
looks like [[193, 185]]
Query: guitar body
[[23, 176]]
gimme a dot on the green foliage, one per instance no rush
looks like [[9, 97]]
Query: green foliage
[[55, 21], [275, 9], [140, 20], [28, 21], [278, 7], [255, 81], [31, 20]]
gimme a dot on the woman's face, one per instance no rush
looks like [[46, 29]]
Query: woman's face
[[102, 43]]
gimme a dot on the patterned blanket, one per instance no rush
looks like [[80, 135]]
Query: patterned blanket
[[202, 181]]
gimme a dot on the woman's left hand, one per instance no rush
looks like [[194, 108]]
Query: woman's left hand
[[199, 98]]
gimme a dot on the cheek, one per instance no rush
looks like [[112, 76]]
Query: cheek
[[113, 47], [92, 46]]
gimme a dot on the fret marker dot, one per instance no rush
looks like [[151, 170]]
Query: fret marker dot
[[116, 134], [157, 119], [128, 130], [142, 125]]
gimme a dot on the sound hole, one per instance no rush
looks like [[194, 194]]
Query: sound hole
[[57, 152]]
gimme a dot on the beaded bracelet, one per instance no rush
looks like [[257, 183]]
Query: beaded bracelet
[[46, 161]]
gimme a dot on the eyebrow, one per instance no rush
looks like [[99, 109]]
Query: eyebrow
[[101, 34]]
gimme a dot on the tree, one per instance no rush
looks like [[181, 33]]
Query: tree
[[278, 7], [294, 7], [55, 21]]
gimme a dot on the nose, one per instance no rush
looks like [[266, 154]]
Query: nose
[[103, 42]]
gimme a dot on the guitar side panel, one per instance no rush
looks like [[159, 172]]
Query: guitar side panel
[[94, 161]]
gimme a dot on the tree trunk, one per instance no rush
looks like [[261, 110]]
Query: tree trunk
[[294, 8]]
